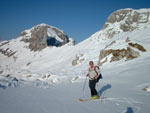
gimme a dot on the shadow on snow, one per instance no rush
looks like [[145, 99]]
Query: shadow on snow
[[103, 89], [129, 110]]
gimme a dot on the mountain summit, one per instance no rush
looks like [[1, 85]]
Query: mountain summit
[[43, 35], [124, 20], [125, 35]]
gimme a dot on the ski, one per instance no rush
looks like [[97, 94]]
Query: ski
[[89, 99], [82, 100]]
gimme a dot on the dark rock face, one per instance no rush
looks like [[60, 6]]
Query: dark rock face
[[126, 19], [39, 37], [117, 16], [53, 42], [7, 52], [130, 16], [63, 36], [118, 54]]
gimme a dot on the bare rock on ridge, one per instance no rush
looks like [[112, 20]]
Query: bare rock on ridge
[[44, 35]]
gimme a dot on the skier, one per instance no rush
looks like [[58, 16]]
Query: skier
[[93, 74]]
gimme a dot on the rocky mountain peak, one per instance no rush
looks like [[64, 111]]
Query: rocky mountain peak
[[137, 16], [44, 35], [124, 34], [125, 20]]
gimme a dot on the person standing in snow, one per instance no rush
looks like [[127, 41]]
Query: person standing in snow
[[93, 74]]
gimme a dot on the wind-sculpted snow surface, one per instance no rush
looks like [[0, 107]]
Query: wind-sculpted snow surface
[[122, 94]]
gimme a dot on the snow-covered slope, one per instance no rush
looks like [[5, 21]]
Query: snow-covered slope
[[121, 48], [59, 63], [24, 57], [55, 64]]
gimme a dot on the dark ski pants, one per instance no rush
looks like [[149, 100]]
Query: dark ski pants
[[92, 84]]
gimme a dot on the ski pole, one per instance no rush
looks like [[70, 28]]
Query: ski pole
[[84, 84]]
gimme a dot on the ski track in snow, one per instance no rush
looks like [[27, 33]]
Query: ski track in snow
[[118, 101]]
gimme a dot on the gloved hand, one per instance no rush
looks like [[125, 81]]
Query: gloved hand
[[87, 75], [96, 77]]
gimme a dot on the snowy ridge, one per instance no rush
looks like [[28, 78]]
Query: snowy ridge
[[28, 35]]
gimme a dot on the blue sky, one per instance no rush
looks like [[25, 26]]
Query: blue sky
[[78, 18]]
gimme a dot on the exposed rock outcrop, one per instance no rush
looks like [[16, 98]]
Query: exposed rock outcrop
[[125, 20], [138, 46], [44, 35], [118, 54], [7, 52], [78, 59]]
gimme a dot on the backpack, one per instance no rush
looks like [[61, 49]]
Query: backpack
[[100, 76]]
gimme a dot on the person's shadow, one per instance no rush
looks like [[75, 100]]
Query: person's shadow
[[103, 89], [129, 110]]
